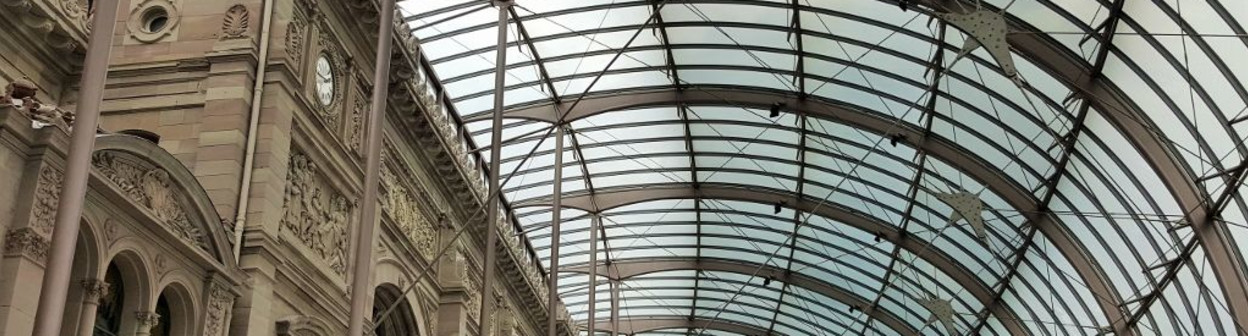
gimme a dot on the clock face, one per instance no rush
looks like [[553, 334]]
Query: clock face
[[324, 81]]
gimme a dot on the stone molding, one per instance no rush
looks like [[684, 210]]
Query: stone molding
[[47, 197]]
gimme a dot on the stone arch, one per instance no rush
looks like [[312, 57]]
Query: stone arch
[[88, 251], [302, 325], [402, 320], [136, 285], [392, 278], [182, 319], [165, 190]]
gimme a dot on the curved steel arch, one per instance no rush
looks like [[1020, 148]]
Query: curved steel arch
[[1017, 196], [639, 324], [625, 269], [609, 199], [1074, 72]]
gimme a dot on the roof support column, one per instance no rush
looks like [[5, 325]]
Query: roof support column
[[556, 218], [362, 266], [494, 215], [593, 270], [615, 306], [60, 260]]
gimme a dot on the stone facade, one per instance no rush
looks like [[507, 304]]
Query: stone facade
[[156, 249]]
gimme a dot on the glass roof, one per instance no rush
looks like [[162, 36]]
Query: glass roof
[[1079, 173]]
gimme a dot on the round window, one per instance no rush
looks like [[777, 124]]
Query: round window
[[324, 81], [155, 19]]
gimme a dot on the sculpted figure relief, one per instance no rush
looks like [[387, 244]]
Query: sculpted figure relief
[[316, 213]]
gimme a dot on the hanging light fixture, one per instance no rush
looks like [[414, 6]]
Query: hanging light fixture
[[777, 207], [775, 109]]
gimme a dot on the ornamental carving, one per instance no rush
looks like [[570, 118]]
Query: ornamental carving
[[220, 301], [153, 188], [472, 293], [294, 41], [356, 127], [47, 196], [74, 8], [316, 213], [403, 207], [236, 23], [26, 242]]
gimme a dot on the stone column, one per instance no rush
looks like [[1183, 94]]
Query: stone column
[[92, 291], [146, 321]]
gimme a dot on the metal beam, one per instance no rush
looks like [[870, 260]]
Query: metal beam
[[537, 58], [494, 213], [556, 217], [797, 216], [50, 312], [625, 269], [609, 199], [670, 59], [633, 325]]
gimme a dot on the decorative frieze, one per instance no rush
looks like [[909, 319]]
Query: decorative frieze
[[356, 128], [403, 207], [152, 188], [472, 292], [26, 242], [316, 213], [236, 24]]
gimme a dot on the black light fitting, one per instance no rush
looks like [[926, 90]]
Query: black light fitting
[[775, 109]]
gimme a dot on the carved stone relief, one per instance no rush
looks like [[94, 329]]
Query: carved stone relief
[[294, 41], [20, 95], [236, 23], [47, 196], [472, 289], [356, 128], [26, 242], [404, 209], [316, 213], [152, 188], [220, 300]]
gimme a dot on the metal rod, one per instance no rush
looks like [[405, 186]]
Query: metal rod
[[362, 267], [556, 219], [495, 217], [51, 310], [253, 127], [615, 307], [593, 271]]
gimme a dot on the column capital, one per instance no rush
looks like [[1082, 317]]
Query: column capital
[[93, 290], [147, 321]]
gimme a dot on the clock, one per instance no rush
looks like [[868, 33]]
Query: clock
[[324, 81]]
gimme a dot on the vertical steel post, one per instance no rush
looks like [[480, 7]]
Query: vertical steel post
[[495, 209], [593, 271], [555, 220], [51, 310], [615, 306], [362, 267]]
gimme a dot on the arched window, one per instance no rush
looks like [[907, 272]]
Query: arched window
[[108, 314], [400, 321], [165, 326]]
